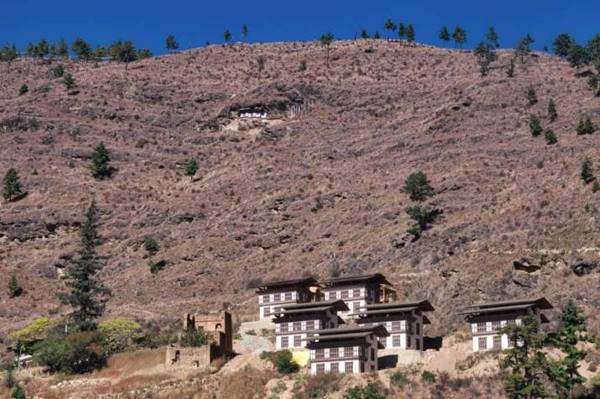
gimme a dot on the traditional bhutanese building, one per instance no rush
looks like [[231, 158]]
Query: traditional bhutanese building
[[358, 291], [345, 350], [404, 322], [488, 319], [272, 296], [295, 323]]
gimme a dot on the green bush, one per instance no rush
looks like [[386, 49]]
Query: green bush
[[585, 126], [399, 379], [120, 334], [23, 89], [550, 137], [193, 337], [369, 391], [18, 393], [417, 186], [35, 331], [587, 171], [428, 377], [535, 126], [74, 354], [151, 246], [191, 167], [282, 360]]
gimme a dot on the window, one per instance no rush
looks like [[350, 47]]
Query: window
[[283, 327], [356, 293], [297, 326], [320, 368], [355, 307], [349, 367], [482, 343], [288, 296], [335, 367], [396, 326], [408, 343], [277, 297], [481, 326], [284, 342], [497, 342], [333, 295], [266, 298], [372, 353], [396, 342], [310, 325], [418, 344], [344, 294], [417, 329], [496, 325], [297, 341], [320, 353], [348, 351]]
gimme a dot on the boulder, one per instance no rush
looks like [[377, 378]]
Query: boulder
[[581, 266], [526, 264]]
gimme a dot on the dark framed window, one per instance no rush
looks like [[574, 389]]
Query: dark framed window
[[496, 325], [482, 326], [497, 343], [277, 297], [333, 295], [418, 344], [396, 325], [335, 367], [266, 298], [396, 341], [297, 341], [356, 293], [408, 343], [345, 294], [288, 296], [283, 327], [320, 368], [355, 307], [320, 353], [417, 329], [285, 342], [482, 343], [372, 353], [349, 367], [297, 326], [310, 325], [348, 351]]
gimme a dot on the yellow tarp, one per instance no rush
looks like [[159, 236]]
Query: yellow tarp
[[301, 358]]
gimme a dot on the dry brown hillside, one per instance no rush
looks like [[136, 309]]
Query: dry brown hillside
[[309, 193]]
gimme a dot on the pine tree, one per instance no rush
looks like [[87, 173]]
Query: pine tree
[[572, 331], [390, 26], [531, 96], [444, 34], [100, 159], [87, 295], [245, 31], [587, 171], [585, 126], [364, 34], [18, 393], [23, 89], [14, 289], [171, 43], [410, 33], [562, 43], [492, 37], [459, 36], [578, 56], [227, 36], [82, 49], [326, 39], [510, 69], [191, 167], [401, 30], [11, 185], [417, 187], [525, 361], [62, 49], [523, 47], [550, 137], [552, 114], [69, 81], [535, 126]]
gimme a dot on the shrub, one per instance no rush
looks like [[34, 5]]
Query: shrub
[[23, 89], [193, 337], [191, 167], [58, 71], [74, 354], [417, 186], [399, 379], [550, 137], [33, 332], [595, 187], [587, 171], [120, 334], [369, 391], [100, 159], [535, 126], [585, 126], [14, 289], [151, 246], [69, 81], [531, 96], [318, 386], [552, 113], [17, 393], [282, 360], [428, 377], [11, 185]]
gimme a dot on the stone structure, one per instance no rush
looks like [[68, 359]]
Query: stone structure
[[346, 350], [272, 296], [358, 291], [219, 333], [404, 322], [488, 319], [297, 322]]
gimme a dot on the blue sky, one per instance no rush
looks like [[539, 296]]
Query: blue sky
[[196, 22]]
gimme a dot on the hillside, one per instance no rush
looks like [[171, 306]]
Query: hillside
[[316, 192]]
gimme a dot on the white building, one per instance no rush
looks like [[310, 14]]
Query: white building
[[345, 350], [488, 319], [272, 296], [358, 291], [296, 323], [403, 321]]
